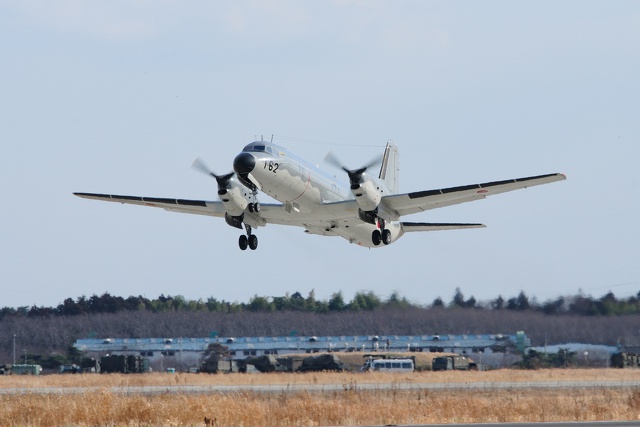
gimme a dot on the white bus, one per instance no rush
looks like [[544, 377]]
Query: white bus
[[389, 365]]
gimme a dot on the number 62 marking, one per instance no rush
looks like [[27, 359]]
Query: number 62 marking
[[271, 165]]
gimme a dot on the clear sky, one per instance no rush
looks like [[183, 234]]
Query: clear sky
[[120, 97]]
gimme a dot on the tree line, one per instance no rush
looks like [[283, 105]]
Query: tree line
[[53, 335], [582, 305]]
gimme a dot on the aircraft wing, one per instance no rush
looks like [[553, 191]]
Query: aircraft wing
[[436, 226], [345, 212], [410, 203], [270, 213], [199, 207]]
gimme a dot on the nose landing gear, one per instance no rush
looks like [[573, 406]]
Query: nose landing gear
[[254, 207], [250, 240]]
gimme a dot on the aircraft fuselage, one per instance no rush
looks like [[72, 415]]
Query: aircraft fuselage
[[304, 188]]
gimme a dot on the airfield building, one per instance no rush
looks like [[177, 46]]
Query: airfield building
[[488, 349]]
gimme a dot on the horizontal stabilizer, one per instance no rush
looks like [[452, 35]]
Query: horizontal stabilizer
[[436, 226]]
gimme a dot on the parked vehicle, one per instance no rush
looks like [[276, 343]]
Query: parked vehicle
[[124, 364], [26, 370], [453, 363], [625, 360], [389, 365]]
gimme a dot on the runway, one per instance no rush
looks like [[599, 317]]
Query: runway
[[575, 424], [322, 388]]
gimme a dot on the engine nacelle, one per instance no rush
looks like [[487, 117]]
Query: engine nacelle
[[234, 200], [367, 195], [234, 221], [370, 217]]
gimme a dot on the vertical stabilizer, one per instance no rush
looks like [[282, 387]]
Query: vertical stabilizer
[[390, 169]]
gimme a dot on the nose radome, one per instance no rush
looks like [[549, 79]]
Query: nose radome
[[244, 163]]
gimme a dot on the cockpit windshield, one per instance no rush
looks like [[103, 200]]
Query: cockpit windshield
[[261, 148], [255, 147]]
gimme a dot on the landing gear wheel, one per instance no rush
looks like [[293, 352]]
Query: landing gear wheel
[[253, 242], [376, 237], [386, 236], [254, 207], [243, 242]]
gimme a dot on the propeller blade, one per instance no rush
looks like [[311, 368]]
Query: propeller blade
[[201, 166], [334, 161], [223, 180], [375, 161], [355, 175]]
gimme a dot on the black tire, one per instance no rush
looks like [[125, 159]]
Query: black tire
[[386, 236], [256, 206], [376, 237], [243, 242], [250, 207], [253, 242]]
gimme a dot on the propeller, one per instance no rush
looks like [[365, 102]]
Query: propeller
[[222, 180], [355, 175]]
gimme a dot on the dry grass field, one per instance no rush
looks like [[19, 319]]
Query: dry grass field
[[351, 405]]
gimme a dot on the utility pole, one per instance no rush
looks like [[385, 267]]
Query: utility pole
[[14, 349]]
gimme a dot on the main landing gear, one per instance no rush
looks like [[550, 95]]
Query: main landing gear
[[254, 207], [250, 240], [381, 235]]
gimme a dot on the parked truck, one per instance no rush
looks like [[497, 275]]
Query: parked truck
[[321, 362], [26, 369], [453, 363], [215, 366], [273, 363], [124, 364], [625, 360]]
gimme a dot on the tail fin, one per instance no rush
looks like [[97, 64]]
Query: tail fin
[[390, 169]]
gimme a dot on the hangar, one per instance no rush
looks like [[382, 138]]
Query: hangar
[[181, 353]]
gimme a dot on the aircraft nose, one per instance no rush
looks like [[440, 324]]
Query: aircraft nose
[[244, 163]]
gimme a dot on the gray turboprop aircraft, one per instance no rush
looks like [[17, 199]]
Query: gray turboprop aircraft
[[366, 211]]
